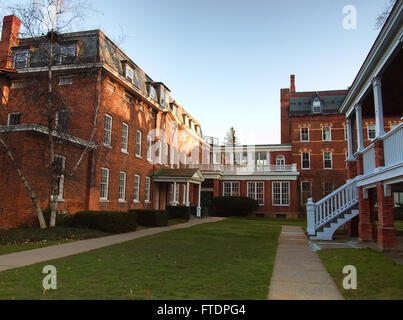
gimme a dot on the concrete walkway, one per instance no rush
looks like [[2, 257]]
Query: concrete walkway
[[26, 258], [298, 273]]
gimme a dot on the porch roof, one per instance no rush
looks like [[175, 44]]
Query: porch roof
[[178, 175]]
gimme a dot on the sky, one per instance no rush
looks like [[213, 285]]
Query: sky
[[225, 61]]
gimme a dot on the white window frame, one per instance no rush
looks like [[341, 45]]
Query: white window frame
[[136, 188], [281, 194], [371, 125], [147, 189], [9, 118], [105, 183], [231, 188], [252, 192], [302, 160], [178, 156], [324, 136], [139, 138], [130, 69], [125, 137], [301, 134], [314, 105], [331, 160], [159, 152], [108, 131], [149, 148], [280, 161], [345, 133], [122, 188]]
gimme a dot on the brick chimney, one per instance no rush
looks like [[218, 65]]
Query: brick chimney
[[9, 39], [292, 87]]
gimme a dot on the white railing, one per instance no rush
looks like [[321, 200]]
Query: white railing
[[327, 209], [368, 159], [393, 146], [244, 168]]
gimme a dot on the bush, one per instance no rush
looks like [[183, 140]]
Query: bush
[[62, 219], [107, 221], [151, 218], [233, 206], [179, 212]]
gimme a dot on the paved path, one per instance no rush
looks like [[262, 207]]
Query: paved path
[[298, 273], [26, 258]]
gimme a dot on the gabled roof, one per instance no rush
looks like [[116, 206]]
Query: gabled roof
[[180, 175]]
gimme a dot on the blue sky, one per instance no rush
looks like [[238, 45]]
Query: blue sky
[[226, 60]]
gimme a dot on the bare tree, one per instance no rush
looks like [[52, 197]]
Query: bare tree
[[42, 22], [383, 16], [231, 139]]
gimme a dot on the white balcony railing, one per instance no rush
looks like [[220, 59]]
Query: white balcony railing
[[368, 158], [244, 168], [393, 146]]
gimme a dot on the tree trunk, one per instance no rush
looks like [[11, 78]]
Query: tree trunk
[[42, 222]]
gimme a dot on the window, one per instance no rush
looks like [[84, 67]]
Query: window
[[122, 186], [304, 134], [139, 135], [281, 193], [149, 148], [184, 159], [68, 54], [104, 183], [166, 158], [305, 160], [327, 160], [306, 191], [326, 134], [316, 106], [136, 196], [159, 152], [65, 81], [371, 131], [125, 137], [17, 84], [107, 131], [14, 119], [153, 93], [177, 195], [231, 189], [172, 157], [62, 121], [111, 87], [147, 189], [129, 73], [280, 162], [184, 194], [60, 165], [163, 97], [21, 59], [256, 191], [128, 98], [261, 160]]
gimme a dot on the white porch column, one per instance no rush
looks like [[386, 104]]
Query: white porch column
[[360, 138], [377, 87], [174, 203], [157, 196], [187, 194], [310, 215], [350, 140], [198, 205]]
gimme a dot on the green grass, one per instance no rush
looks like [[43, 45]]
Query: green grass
[[12, 248], [378, 276], [230, 259]]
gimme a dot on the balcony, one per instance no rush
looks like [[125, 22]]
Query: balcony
[[246, 169]]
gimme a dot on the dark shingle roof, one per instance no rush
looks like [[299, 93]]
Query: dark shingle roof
[[303, 105]]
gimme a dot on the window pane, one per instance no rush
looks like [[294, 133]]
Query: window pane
[[104, 183]]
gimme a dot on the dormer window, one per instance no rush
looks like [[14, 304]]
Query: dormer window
[[163, 97], [316, 105], [129, 73], [21, 58], [68, 53], [153, 93]]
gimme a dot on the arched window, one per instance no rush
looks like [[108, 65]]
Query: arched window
[[316, 105], [280, 162]]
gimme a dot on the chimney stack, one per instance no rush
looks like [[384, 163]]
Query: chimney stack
[[9, 39], [292, 87]]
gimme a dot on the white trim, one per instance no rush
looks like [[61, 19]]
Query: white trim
[[255, 196], [281, 194], [107, 131], [125, 144], [331, 160], [106, 185], [323, 134], [300, 134], [13, 113], [124, 186], [302, 160], [139, 143], [231, 188], [136, 185]]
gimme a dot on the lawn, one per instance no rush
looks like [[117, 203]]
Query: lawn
[[378, 276], [231, 259]]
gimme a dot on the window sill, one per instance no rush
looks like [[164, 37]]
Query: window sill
[[281, 205], [104, 200], [139, 157], [124, 152], [107, 146], [136, 201], [122, 201]]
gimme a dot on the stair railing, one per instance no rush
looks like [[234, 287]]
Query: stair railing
[[333, 205]]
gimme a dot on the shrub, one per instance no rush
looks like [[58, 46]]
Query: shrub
[[151, 218], [233, 206], [63, 219], [107, 221], [179, 212]]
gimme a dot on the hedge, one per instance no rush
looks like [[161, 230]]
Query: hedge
[[179, 212], [151, 218], [62, 219], [107, 221], [233, 206]]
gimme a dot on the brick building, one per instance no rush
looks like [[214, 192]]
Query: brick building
[[139, 129]]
